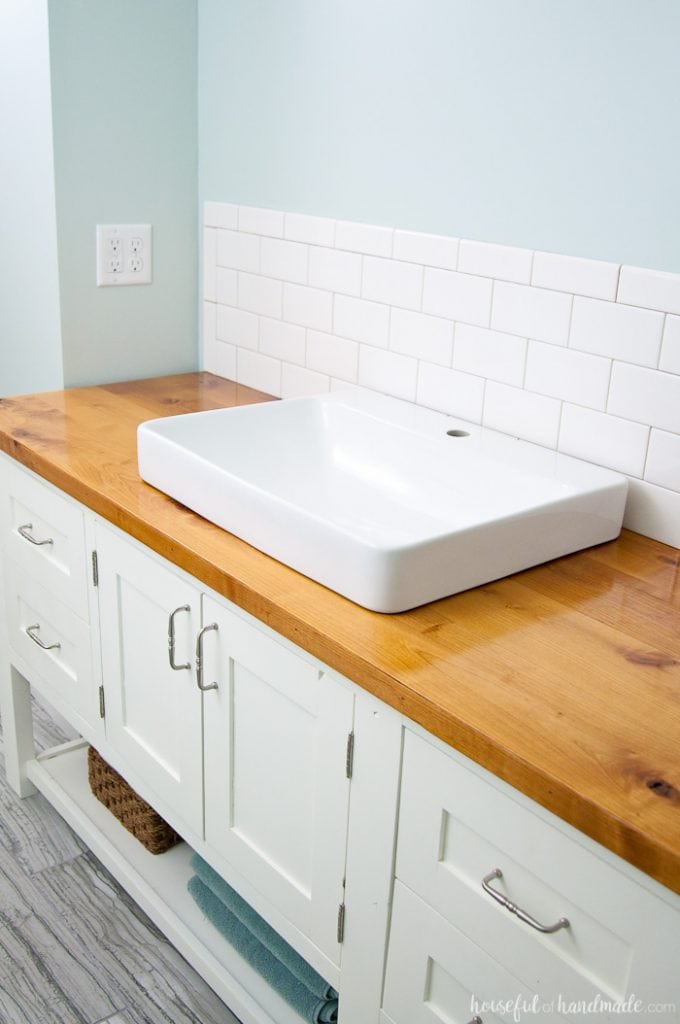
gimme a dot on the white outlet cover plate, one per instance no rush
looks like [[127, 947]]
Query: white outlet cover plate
[[124, 254]]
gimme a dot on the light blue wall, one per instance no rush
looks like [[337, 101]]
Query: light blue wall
[[124, 99], [30, 344], [542, 123]]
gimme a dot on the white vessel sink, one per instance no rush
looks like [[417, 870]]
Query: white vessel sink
[[374, 497]]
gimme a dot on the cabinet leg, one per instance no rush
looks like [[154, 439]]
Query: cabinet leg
[[17, 729]]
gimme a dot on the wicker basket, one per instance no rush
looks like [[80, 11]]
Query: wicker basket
[[134, 813]]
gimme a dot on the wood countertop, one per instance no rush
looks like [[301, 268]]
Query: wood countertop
[[563, 680]]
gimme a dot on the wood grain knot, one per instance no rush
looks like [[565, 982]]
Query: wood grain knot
[[663, 788], [170, 401], [656, 659], [669, 559]]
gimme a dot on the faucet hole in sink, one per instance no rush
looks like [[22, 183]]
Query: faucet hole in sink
[[458, 433]]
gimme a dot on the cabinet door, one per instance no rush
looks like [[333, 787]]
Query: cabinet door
[[153, 712], [276, 786]]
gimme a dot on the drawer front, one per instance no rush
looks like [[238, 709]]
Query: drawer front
[[44, 533], [436, 975], [54, 645], [456, 828]]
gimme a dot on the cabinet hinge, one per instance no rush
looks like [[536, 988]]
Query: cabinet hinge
[[341, 922], [349, 756], [102, 703], [95, 569]]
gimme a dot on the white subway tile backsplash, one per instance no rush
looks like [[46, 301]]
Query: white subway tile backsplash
[[428, 250], [593, 278], [621, 332], [653, 511], [604, 439], [670, 347], [283, 341], [386, 371], [366, 238], [335, 270], [450, 391], [221, 358], [652, 289], [392, 282], [260, 294], [500, 261], [260, 222], [238, 251], [457, 296], [500, 357], [301, 227], [646, 396], [225, 286], [663, 460], [522, 414], [422, 336], [220, 215], [309, 307], [258, 371], [361, 320], [563, 373], [297, 382], [209, 263], [531, 312], [284, 260], [237, 327], [337, 357]]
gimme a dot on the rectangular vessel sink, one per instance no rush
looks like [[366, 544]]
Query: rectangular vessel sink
[[386, 503]]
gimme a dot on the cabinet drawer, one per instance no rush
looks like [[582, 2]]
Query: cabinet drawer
[[456, 828], [54, 644], [436, 974], [44, 533]]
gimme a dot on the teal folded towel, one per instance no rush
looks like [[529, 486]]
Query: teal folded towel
[[308, 1004], [269, 938]]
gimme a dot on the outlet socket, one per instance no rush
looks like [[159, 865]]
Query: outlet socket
[[123, 254]]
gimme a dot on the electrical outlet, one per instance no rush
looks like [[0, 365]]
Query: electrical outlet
[[123, 254]]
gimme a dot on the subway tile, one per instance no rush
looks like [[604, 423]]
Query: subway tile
[[240, 252], [450, 391], [226, 286], [366, 238], [220, 358], [338, 357], [388, 372], [425, 337], [663, 460], [260, 294], [522, 414], [335, 270], [606, 440], [593, 278], [653, 511], [237, 327], [282, 340], [393, 282], [286, 261], [296, 381], [531, 312], [309, 307], [209, 321], [209, 263], [260, 222], [258, 371], [457, 296], [220, 215], [646, 396], [620, 332], [653, 289], [670, 347], [362, 320], [504, 262], [301, 227], [500, 357], [428, 250], [563, 373]]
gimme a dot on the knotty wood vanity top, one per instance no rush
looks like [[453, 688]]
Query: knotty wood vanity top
[[564, 680]]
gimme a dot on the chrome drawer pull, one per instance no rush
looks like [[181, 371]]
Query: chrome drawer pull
[[199, 658], [547, 929], [171, 639], [32, 632], [23, 530]]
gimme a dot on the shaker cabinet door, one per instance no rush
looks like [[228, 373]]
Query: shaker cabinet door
[[276, 786], [153, 711]]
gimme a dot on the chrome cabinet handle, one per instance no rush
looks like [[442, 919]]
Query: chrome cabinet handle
[[199, 658], [23, 530], [547, 929], [32, 632], [171, 639]]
